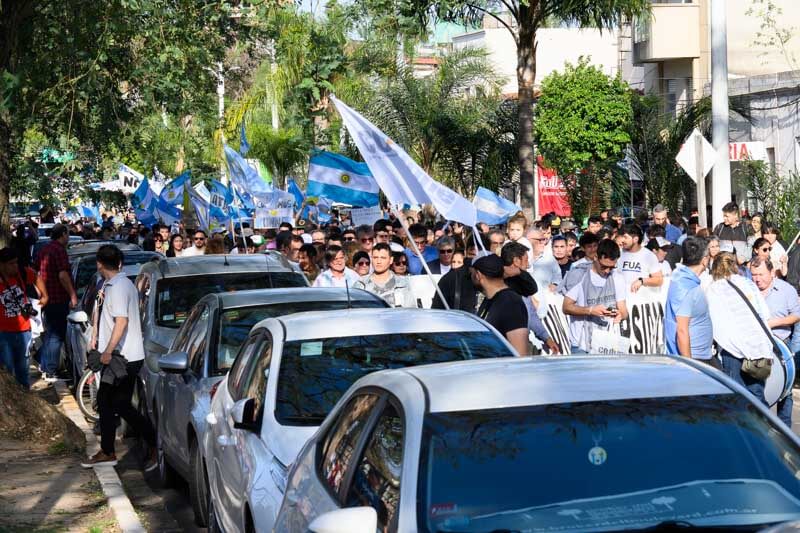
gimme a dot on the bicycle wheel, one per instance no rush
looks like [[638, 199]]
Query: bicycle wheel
[[87, 395]]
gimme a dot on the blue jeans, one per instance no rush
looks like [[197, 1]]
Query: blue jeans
[[14, 354], [733, 367], [54, 319]]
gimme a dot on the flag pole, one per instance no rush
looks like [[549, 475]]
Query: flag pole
[[241, 228], [403, 223]]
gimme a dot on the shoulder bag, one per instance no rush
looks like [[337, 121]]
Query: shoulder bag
[[762, 367]]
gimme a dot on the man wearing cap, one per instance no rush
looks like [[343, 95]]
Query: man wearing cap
[[15, 324], [661, 247], [53, 267], [501, 307]]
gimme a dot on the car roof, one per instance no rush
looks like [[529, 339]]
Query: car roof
[[131, 257], [89, 247], [253, 297], [525, 381], [218, 263], [351, 322]]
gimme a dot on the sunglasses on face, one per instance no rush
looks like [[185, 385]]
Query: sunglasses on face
[[349, 239], [362, 264], [607, 268], [766, 249], [199, 238], [367, 239], [446, 251], [400, 263]]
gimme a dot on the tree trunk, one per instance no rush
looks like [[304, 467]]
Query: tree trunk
[[526, 75], [5, 180]]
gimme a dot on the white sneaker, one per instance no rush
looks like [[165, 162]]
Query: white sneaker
[[51, 378]]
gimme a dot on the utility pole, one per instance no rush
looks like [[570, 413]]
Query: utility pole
[[219, 72], [721, 177], [273, 67]]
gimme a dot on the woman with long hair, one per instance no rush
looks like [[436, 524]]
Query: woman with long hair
[[175, 245]]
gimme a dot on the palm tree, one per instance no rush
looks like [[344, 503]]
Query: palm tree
[[282, 151]]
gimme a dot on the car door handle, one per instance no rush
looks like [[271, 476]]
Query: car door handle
[[224, 441]]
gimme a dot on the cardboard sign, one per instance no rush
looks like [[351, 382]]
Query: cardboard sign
[[367, 215]]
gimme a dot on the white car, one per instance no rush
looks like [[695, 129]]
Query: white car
[[545, 444], [289, 374]]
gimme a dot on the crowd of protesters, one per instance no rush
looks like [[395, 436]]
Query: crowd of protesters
[[723, 287]]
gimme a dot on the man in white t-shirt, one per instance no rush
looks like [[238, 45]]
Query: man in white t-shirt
[[638, 265], [119, 335], [598, 299]]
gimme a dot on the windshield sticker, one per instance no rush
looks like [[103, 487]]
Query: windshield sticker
[[443, 509], [311, 349], [597, 456], [168, 317], [165, 295]]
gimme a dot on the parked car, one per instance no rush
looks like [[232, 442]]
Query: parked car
[[200, 356], [546, 444], [84, 266], [89, 247], [169, 288], [80, 324], [289, 374], [41, 242]]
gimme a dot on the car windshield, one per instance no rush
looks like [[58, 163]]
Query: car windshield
[[314, 373], [176, 296], [235, 324], [607, 466]]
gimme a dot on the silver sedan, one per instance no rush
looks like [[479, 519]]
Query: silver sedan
[[288, 375], [545, 444]]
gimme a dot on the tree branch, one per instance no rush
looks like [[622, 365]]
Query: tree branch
[[498, 19]]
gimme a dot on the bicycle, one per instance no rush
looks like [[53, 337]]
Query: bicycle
[[86, 394]]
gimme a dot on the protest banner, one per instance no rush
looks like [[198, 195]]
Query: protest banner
[[266, 218], [366, 215], [645, 323], [423, 289], [556, 322]]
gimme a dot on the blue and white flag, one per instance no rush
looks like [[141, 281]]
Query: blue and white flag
[[173, 191], [200, 208], [294, 189], [400, 178], [341, 179], [244, 146], [221, 201], [150, 209], [244, 177], [492, 208]]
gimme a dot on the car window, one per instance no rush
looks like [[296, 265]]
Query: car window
[[609, 465], [241, 365], [90, 296], [314, 373], [143, 286], [177, 295], [197, 338], [343, 439], [376, 478], [86, 269], [255, 384], [235, 323], [181, 342]]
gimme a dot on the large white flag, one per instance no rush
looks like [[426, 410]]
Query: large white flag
[[399, 176]]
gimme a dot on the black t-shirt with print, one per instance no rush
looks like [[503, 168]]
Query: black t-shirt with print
[[505, 311]]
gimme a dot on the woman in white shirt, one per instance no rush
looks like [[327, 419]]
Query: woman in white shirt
[[737, 332]]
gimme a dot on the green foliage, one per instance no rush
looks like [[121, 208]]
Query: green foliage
[[583, 119], [656, 139], [281, 151], [778, 196]]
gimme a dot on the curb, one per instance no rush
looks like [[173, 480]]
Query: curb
[[126, 516]]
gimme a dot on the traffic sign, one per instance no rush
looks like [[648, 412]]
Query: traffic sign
[[691, 159]]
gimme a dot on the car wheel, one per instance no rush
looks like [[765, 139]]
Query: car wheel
[[166, 475], [213, 525], [198, 485]]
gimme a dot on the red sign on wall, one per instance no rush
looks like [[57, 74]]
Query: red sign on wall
[[551, 191]]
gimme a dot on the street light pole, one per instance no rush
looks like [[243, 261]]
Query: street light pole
[[721, 177]]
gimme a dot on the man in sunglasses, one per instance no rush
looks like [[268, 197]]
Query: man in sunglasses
[[365, 236], [598, 299], [198, 244], [446, 246]]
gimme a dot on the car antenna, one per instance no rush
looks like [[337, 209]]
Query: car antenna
[[226, 261], [269, 272], [347, 288]]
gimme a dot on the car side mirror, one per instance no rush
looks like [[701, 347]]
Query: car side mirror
[[174, 362], [78, 317], [348, 520], [243, 414]]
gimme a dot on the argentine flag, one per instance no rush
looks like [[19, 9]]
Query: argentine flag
[[172, 193], [341, 179], [492, 208]]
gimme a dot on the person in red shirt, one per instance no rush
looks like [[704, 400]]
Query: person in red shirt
[[15, 314], [53, 267]]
